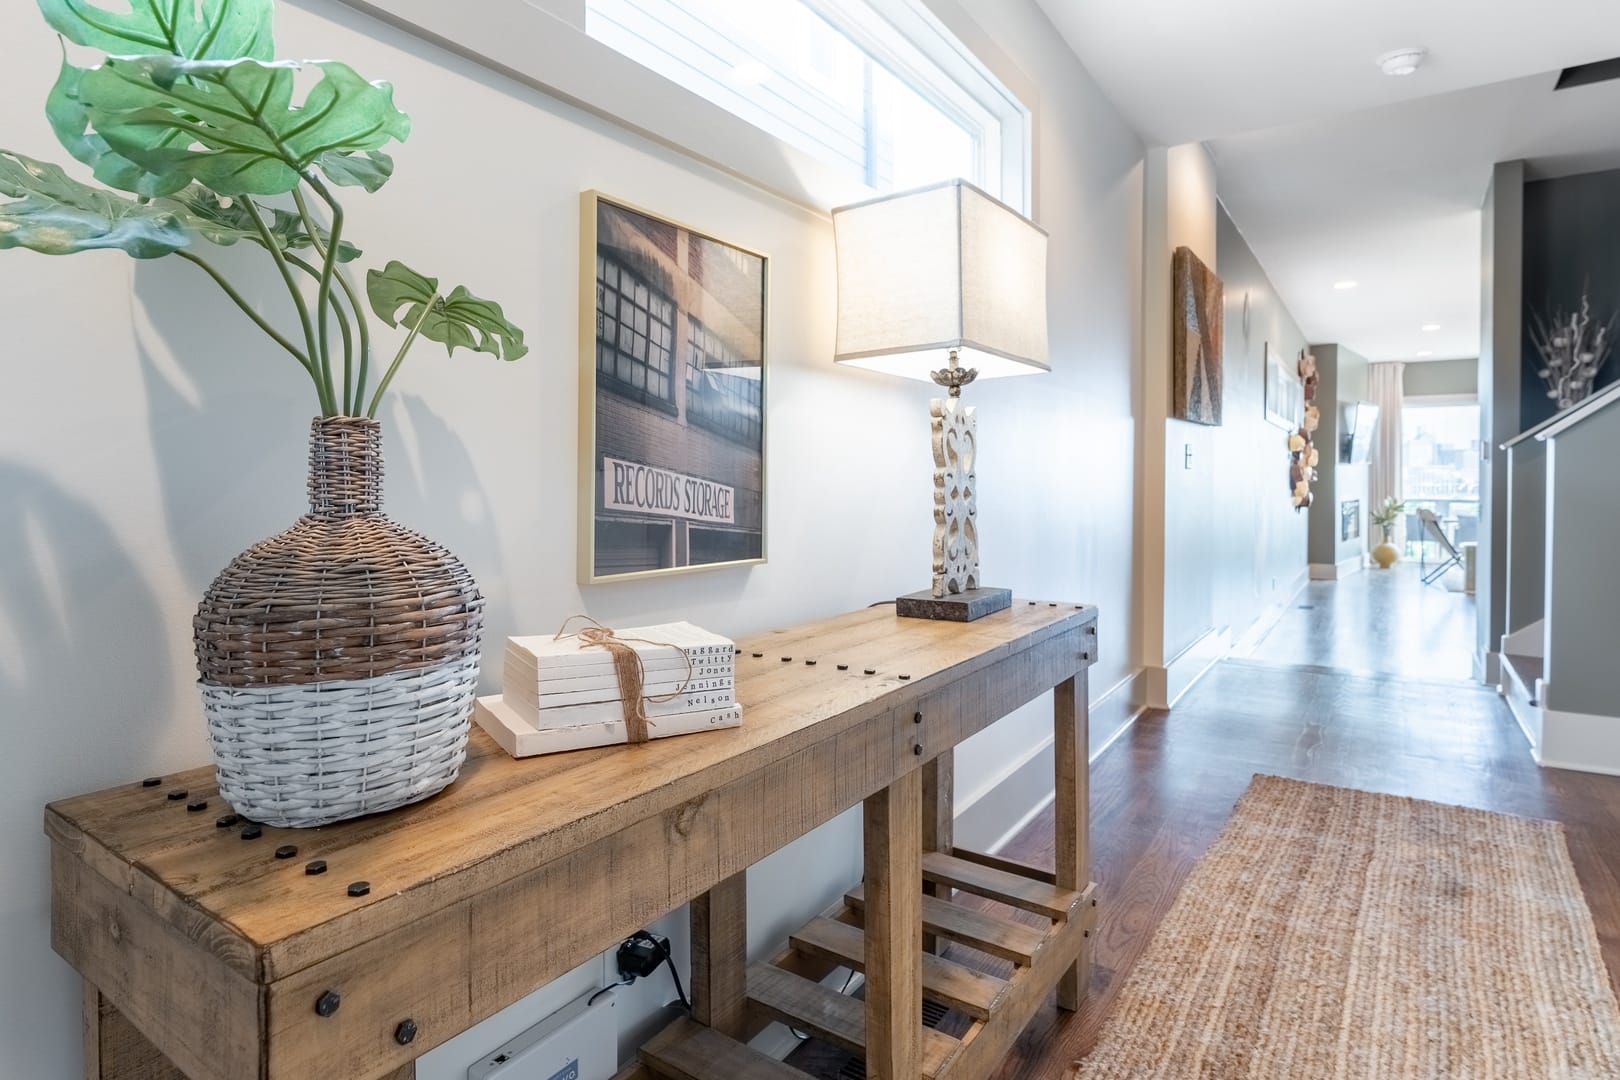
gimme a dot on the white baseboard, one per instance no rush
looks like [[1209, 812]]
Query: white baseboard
[[1249, 642], [1523, 703], [1162, 687], [1337, 571], [1025, 789], [1529, 640], [1579, 741], [1488, 668]]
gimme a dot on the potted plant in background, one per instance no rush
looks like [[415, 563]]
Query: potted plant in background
[[1387, 554], [339, 659]]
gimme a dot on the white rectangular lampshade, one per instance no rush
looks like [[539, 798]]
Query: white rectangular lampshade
[[946, 267]]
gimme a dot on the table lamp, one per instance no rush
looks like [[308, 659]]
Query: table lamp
[[948, 284]]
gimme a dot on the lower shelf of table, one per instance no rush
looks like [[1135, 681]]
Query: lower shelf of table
[[997, 1009]]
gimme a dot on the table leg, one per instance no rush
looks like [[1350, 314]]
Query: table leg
[[114, 1050], [720, 956], [1071, 722], [939, 824], [893, 919]]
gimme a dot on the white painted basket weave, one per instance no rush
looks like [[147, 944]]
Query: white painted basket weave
[[311, 754]]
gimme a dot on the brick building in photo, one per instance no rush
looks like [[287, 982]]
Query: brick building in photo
[[679, 449]]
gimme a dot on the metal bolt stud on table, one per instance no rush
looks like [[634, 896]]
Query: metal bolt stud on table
[[212, 959]]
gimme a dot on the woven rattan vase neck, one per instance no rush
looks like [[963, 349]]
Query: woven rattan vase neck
[[345, 467]]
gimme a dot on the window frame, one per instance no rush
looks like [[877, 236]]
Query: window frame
[[543, 44], [697, 353], [612, 380]]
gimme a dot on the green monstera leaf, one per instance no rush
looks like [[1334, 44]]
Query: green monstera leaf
[[56, 215], [456, 320], [213, 30], [232, 125], [219, 30], [70, 119], [370, 170], [224, 221]]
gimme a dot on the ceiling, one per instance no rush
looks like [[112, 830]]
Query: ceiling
[[1334, 171]]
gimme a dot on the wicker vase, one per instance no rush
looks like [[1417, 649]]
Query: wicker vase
[[339, 660]]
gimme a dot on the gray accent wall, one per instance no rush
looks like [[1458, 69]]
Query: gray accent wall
[[1583, 586], [1526, 532], [1343, 379], [1501, 298], [1571, 244], [1441, 378]]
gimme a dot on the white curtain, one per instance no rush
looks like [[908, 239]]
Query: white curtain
[[1385, 385]]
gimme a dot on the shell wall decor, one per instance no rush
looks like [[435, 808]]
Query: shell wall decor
[[1303, 457]]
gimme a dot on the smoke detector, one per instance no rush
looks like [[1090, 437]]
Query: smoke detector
[[1402, 61]]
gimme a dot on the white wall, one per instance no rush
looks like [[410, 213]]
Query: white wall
[[147, 434], [1258, 538], [1224, 553], [1189, 489]]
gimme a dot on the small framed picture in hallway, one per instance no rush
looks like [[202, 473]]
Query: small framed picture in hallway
[[1198, 335], [1285, 392], [1350, 519]]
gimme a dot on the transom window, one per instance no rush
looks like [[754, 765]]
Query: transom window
[[718, 396], [878, 88], [635, 336]]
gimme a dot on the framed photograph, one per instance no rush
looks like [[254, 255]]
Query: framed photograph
[[1197, 334], [1350, 519], [1285, 390], [672, 396]]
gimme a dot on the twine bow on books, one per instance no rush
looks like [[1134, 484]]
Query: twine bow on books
[[627, 667]]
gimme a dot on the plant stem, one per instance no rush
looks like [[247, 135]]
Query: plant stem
[[258, 320], [343, 325], [364, 329], [324, 295], [329, 267], [323, 387], [313, 232], [399, 357], [362, 325]]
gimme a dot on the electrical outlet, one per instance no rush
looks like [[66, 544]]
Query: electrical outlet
[[580, 1041]]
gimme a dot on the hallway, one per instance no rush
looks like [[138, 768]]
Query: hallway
[[1377, 622], [1341, 691]]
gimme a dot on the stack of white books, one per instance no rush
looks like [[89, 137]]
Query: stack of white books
[[562, 694]]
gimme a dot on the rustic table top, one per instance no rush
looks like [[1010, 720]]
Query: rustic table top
[[255, 907]]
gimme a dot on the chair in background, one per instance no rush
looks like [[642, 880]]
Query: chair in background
[[1450, 556]]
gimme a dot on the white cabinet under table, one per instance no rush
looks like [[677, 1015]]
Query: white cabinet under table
[[205, 955]]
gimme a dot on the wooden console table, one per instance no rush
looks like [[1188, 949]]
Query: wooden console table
[[217, 951]]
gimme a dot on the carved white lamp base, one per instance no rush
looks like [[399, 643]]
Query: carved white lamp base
[[956, 594]]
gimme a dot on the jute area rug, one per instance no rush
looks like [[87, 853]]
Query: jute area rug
[[1339, 934]]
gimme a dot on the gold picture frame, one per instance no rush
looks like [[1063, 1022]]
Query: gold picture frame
[[674, 383]]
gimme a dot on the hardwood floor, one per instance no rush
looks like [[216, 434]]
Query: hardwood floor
[[1378, 622], [1163, 791], [1161, 794]]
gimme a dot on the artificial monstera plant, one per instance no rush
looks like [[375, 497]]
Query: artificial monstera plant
[[200, 138]]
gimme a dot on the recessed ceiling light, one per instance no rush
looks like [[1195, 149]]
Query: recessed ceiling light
[[1430, 327], [1425, 352], [1402, 61], [1342, 285]]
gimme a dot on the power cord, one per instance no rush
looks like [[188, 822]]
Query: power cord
[[643, 953], [680, 991]]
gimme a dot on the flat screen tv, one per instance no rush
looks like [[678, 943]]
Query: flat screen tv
[[1357, 426]]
